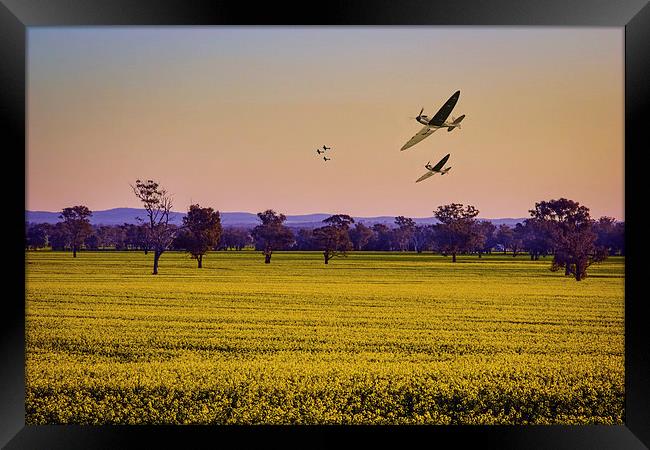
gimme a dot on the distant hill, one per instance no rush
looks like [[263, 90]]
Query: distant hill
[[115, 216], [119, 216]]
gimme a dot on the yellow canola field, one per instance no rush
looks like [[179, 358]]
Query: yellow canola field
[[374, 338]]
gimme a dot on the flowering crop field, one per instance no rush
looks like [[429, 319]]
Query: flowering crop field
[[374, 338]]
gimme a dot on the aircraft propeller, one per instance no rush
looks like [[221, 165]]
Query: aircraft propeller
[[419, 115]]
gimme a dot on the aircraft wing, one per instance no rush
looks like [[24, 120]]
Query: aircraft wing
[[425, 176], [444, 112], [441, 163], [423, 133]]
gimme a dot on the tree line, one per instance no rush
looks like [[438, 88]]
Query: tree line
[[559, 228]]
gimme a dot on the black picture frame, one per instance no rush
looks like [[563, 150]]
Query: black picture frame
[[17, 15]]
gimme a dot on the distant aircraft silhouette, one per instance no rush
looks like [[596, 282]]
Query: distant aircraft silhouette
[[326, 158]]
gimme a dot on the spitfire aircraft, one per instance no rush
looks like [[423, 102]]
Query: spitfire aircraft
[[435, 169], [436, 122], [319, 151], [326, 158]]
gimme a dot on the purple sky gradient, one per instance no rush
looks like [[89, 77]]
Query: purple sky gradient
[[230, 117]]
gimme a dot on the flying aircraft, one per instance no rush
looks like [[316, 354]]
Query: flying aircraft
[[326, 158], [435, 169], [319, 151], [436, 122]]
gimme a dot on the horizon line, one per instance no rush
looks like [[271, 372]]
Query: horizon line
[[301, 214], [254, 213]]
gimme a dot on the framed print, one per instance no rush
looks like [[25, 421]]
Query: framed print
[[399, 221]]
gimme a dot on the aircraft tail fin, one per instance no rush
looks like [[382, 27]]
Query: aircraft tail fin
[[445, 171], [456, 123]]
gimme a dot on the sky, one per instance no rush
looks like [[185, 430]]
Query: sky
[[230, 117]]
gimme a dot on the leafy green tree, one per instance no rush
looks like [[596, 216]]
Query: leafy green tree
[[235, 238], [76, 225], [360, 235], [304, 239], [422, 238], [405, 232], [611, 235], [57, 236], [382, 238], [504, 236], [618, 238], [537, 239], [36, 235], [517, 240], [484, 237], [92, 242], [136, 236], [271, 234], [457, 231], [333, 239], [201, 231], [574, 235]]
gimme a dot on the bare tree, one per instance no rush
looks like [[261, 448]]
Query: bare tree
[[158, 204]]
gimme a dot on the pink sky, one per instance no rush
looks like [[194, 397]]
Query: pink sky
[[231, 117]]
